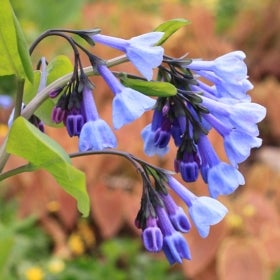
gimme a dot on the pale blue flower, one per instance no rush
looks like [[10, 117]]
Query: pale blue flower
[[95, 134], [128, 104], [222, 178], [204, 211], [237, 142], [238, 145], [150, 148], [228, 66], [140, 50]]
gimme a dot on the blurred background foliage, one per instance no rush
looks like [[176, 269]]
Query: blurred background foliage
[[41, 234]]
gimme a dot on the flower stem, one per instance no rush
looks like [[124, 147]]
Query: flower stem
[[23, 168]]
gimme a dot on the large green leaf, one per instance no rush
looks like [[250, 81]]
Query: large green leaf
[[26, 141], [14, 56], [169, 27], [151, 88], [59, 66]]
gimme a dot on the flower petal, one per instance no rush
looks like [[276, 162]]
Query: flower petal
[[129, 105]]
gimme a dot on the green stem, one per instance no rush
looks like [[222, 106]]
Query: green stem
[[19, 97], [18, 170], [4, 156]]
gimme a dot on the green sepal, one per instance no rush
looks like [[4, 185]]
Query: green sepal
[[42, 152], [169, 27]]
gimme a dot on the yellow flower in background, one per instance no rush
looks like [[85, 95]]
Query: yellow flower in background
[[234, 221], [34, 273], [3, 130], [56, 266], [76, 244], [86, 233]]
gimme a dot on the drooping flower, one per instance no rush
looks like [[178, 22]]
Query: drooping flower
[[175, 246], [150, 148], [128, 104], [140, 50], [152, 236], [176, 214], [95, 134], [204, 211], [222, 178], [230, 66]]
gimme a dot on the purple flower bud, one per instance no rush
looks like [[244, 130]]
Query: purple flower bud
[[58, 115], [55, 92], [74, 124], [162, 138], [175, 246], [152, 236], [189, 170], [176, 214]]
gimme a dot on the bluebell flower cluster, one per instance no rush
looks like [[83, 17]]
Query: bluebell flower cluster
[[222, 104], [162, 221], [210, 95]]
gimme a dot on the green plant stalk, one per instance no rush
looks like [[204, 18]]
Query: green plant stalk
[[17, 111], [18, 170], [31, 107]]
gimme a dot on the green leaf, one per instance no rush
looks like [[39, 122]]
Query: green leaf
[[150, 88], [6, 245], [58, 67], [26, 141], [14, 54], [169, 27]]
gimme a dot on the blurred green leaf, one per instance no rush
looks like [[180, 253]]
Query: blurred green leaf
[[169, 27], [14, 54], [276, 274], [43, 152], [48, 13], [6, 245], [151, 88], [59, 66]]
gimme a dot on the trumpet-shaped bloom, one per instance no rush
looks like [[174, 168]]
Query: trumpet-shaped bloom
[[237, 142], [150, 148], [204, 211], [128, 104], [95, 133], [230, 66], [222, 178], [175, 246], [140, 50]]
